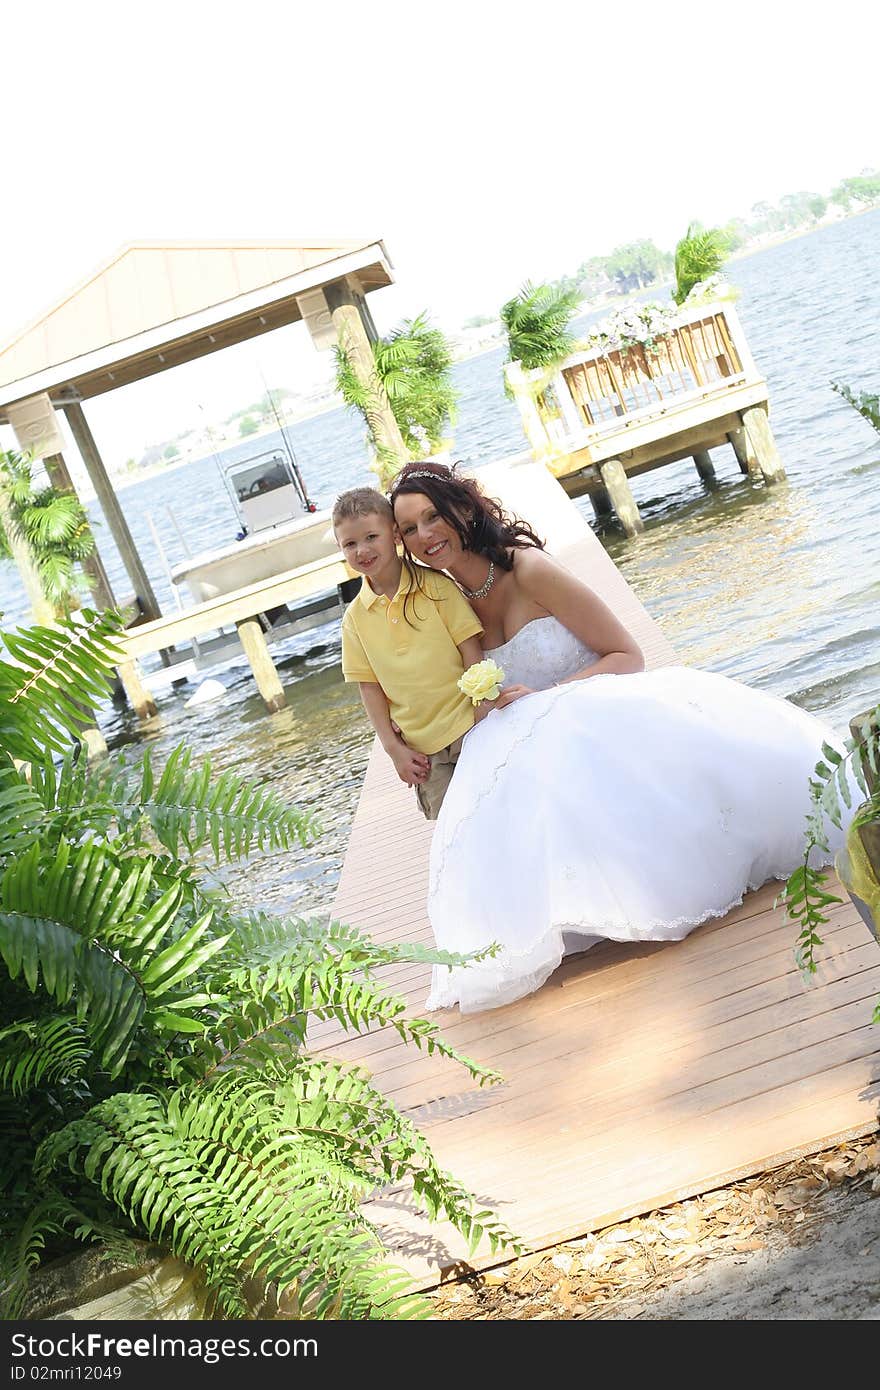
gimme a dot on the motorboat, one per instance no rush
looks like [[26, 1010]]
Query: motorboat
[[280, 529]]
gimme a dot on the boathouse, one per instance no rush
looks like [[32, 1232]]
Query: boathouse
[[151, 307]]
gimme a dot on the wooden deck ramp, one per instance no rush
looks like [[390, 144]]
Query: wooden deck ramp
[[638, 1075]]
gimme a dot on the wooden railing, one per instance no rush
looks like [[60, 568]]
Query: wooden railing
[[693, 355]]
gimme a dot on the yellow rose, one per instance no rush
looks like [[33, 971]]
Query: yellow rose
[[482, 681]]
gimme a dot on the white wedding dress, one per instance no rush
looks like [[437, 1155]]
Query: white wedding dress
[[622, 807]]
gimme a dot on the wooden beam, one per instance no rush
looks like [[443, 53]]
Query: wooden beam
[[139, 697], [761, 441], [745, 454], [704, 465], [304, 582], [616, 482], [93, 565], [252, 639], [109, 504]]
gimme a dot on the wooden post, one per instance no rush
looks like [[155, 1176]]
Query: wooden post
[[536, 434], [94, 742], [706, 469], [42, 609], [250, 634], [760, 435], [93, 565], [139, 697], [601, 503], [354, 341], [745, 455], [615, 480], [109, 503]]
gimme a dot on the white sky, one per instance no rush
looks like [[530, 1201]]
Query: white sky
[[487, 141]]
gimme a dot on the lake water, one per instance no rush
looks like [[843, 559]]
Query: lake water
[[779, 587]]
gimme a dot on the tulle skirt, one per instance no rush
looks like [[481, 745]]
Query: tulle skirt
[[628, 808]]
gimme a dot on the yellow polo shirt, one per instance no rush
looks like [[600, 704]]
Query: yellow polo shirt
[[415, 659]]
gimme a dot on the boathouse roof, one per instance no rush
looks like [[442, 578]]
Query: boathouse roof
[[154, 305]]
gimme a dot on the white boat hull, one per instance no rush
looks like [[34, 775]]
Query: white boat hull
[[273, 551]]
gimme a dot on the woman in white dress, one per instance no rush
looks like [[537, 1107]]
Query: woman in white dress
[[599, 801]]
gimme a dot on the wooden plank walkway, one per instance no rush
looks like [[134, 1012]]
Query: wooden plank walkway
[[638, 1075]]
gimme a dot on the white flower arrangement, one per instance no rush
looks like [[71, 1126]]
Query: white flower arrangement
[[637, 323], [482, 681], [707, 291]]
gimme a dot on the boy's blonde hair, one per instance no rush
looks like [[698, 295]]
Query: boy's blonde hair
[[361, 501]]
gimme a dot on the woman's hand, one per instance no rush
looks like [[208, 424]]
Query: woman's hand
[[511, 693]]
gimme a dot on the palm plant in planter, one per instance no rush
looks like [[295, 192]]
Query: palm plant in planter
[[537, 323], [698, 256], [155, 1080]]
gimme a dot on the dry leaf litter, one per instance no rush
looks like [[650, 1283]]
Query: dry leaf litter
[[611, 1272]]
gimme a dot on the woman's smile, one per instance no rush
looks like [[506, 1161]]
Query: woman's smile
[[424, 532]]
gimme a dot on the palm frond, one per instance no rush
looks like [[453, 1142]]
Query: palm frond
[[700, 254]]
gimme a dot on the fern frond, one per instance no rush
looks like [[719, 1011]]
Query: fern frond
[[187, 811], [21, 1250], [37, 1052], [58, 674]]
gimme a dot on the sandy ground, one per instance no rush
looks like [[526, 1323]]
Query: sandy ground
[[802, 1242]]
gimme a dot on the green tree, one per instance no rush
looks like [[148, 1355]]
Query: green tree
[[701, 253], [862, 188], [155, 1078], [637, 264], [248, 424], [818, 206], [171, 452]]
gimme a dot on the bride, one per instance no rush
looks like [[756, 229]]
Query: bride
[[598, 801]]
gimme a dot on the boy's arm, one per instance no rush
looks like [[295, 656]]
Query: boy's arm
[[471, 652], [412, 767]]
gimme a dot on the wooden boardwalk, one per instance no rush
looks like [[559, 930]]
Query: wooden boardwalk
[[638, 1075]]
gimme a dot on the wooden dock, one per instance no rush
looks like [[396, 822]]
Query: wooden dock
[[638, 1075], [313, 591], [605, 416]]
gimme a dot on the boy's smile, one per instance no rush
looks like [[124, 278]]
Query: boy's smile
[[367, 543]]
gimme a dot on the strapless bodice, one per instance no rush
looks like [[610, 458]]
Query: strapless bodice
[[541, 653]]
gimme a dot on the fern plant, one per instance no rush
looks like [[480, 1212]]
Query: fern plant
[[806, 895], [155, 1078]]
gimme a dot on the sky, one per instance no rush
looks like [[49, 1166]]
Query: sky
[[487, 143]]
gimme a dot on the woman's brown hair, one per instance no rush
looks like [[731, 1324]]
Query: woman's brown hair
[[480, 522]]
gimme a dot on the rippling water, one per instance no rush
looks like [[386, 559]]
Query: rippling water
[[779, 587]]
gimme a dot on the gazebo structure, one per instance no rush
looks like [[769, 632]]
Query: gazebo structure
[[156, 305]]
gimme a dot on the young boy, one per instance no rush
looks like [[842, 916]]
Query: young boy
[[406, 639]]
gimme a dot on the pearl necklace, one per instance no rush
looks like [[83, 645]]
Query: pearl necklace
[[484, 587]]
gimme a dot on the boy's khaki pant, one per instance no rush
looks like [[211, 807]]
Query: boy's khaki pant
[[431, 792]]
